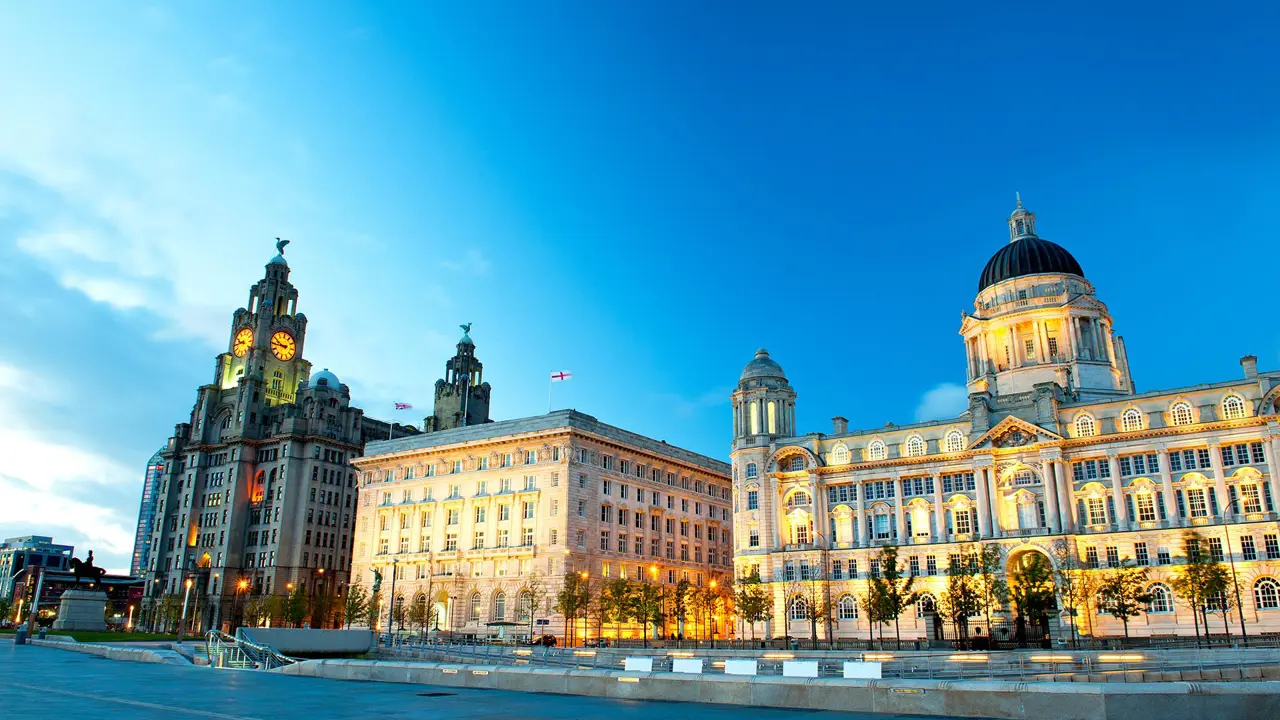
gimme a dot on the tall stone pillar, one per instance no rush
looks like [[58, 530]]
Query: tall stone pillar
[[1219, 480], [1271, 450], [984, 505], [898, 511], [994, 497], [863, 533], [1117, 494], [1166, 490], [1067, 486], [939, 512], [1050, 484]]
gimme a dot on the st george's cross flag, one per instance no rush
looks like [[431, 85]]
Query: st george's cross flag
[[561, 375], [403, 406]]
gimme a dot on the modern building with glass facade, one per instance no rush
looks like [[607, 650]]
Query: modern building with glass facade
[[146, 515]]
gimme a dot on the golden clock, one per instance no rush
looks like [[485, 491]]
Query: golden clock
[[242, 343], [283, 345]]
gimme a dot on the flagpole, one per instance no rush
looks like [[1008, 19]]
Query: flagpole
[[550, 382]]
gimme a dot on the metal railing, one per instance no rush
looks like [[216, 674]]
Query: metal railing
[[237, 652]]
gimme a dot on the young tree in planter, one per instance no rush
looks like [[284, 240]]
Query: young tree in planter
[[373, 610], [1076, 584], [572, 601], [993, 588], [356, 604], [892, 589], [417, 614], [1198, 580], [1123, 593], [1031, 589], [615, 600], [532, 594], [753, 601], [646, 606], [961, 600]]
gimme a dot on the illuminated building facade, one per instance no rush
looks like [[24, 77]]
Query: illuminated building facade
[[472, 518], [1058, 454], [257, 493]]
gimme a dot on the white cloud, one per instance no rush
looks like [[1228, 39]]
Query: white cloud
[[119, 294], [945, 400], [473, 262]]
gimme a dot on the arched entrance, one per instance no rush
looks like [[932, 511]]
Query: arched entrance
[[1033, 598]]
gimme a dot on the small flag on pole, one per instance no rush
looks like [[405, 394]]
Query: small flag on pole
[[403, 406], [561, 376]]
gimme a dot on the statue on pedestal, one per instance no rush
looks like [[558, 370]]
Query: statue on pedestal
[[86, 568]]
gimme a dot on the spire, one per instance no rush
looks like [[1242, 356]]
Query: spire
[[1022, 223]]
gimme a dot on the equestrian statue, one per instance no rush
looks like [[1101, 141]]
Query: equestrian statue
[[85, 568]]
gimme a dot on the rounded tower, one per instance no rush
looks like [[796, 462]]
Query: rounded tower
[[764, 405], [1037, 319]]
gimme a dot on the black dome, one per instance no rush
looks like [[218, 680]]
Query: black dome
[[1028, 256]]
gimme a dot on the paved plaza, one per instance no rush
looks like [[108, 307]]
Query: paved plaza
[[48, 683]]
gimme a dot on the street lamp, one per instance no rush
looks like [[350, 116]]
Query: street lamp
[[391, 622], [1226, 531], [586, 578], [186, 595]]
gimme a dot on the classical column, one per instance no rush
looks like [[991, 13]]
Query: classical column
[[1066, 496], [1050, 495], [984, 507], [994, 497], [1166, 490], [1271, 450], [861, 510], [1117, 494], [939, 512], [1220, 480], [1071, 338], [901, 530]]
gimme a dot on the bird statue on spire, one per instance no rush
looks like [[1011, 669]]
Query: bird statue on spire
[[280, 246], [1017, 195]]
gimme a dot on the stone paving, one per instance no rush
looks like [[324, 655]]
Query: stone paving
[[48, 683]]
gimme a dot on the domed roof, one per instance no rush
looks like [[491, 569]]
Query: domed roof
[[324, 378], [278, 260], [1028, 255], [762, 366]]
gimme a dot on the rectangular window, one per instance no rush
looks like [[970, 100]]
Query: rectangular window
[[1140, 553], [1091, 557], [1175, 461], [1113, 556], [1215, 549], [1202, 458], [1195, 498], [1146, 507], [1163, 557], [604, 540], [915, 565], [961, 521], [1097, 511], [1248, 550], [1252, 499], [606, 487], [1272, 545], [1259, 456], [753, 499], [450, 542]]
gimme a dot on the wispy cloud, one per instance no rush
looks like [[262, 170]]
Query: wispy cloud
[[945, 400], [472, 262]]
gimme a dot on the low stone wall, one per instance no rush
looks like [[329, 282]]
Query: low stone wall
[[132, 654], [953, 698], [310, 641]]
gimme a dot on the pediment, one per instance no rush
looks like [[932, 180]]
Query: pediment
[[1013, 432]]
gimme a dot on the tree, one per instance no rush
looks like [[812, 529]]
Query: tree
[[614, 602], [811, 590], [961, 600], [572, 600], [6, 606], [1031, 590], [532, 594], [295, 608], [1076, 583], [992, 588], [753, 601], [355, 606], [874, 608], [646, 606], [417, 613], [1123, 593], [892, 589], [680, 603], [373, 610], [255, 609], [399, 612], [1200, 579]]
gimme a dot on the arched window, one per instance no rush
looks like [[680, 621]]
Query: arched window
[[1161, 599], [799, 609], [1233, 407], [799, 499], [475, 607], [752, 470], [955, 441], [915, 446], [1131, 420], [876, 450], [926, 605], [847, 608], [499, 606], [797, 463], [1180, 413], [1085, 426], [840, 456], [1266, 594]]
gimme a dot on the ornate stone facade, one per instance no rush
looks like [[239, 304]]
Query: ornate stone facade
[[475, 517], [1057, 453]]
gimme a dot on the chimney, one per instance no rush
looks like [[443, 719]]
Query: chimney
[[1250, 365], [839, 425]]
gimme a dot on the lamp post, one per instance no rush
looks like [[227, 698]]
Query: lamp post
[[241, 587], [826, 585], [1226, 532], [586, 579], [186, 596], [129, 623], [653, 573], [391, 620]]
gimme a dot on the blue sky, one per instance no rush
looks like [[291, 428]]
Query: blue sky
[[640, 193]]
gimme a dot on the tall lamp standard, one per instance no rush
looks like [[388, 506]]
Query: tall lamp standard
[[1226, 532], [586, 578], [240, 589], [186, 595], [826, 584], [391, 619]]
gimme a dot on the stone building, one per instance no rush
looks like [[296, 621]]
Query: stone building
[[462, 396], [473, 518], [17, 554], [1058, 454], [256, 493]]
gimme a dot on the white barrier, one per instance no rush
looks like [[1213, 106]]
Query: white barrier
[[687, 665], [800, 668], [740, 667], [862, 670], [639, 664]]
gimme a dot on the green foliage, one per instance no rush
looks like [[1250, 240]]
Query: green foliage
[[574, 598], [1031, 587], [355, 606], [962, 599], [417, 614], [1123, 593], [1199, 579], [295, 608], [753, 601]]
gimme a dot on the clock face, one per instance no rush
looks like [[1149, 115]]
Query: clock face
[[283, 346], [243, 341]]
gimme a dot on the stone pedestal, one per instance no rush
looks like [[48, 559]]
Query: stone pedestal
[[82, 610]]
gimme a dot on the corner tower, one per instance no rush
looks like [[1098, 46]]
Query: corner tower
[[462, 398], [1037, 320]]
